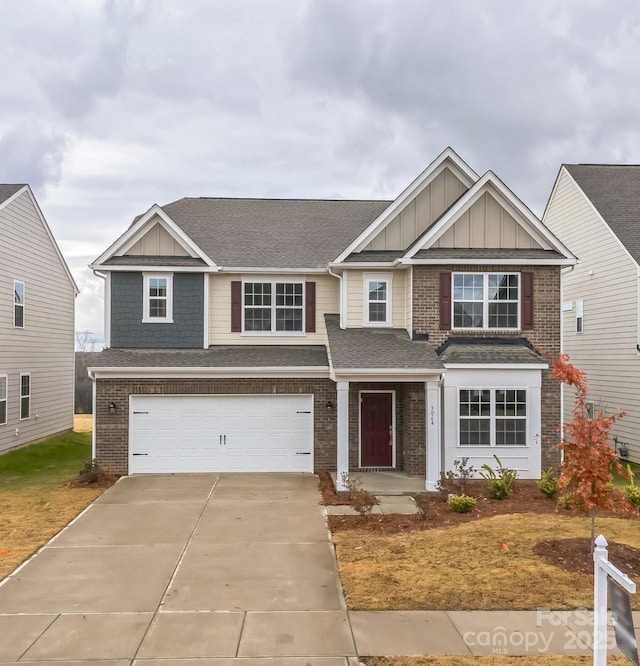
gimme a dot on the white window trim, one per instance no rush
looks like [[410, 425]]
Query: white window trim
[[492, 418], [24, 302], [25, 374], [485, 301], [5, 378], [377, 277], [146, 319], [580, 316], [273, 282]]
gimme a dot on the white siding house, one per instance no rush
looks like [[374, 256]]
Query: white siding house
[[595, 209], [37, 296]]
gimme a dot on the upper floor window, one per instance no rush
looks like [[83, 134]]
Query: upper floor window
[[273, 307], [486, 300], [18, 303], [25, 396], [377, 300], [158, 298], [3, 399], [492, 417], [579, 316]]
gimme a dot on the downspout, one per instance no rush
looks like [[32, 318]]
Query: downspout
[[106, 320], [343, 315], [93, 412]]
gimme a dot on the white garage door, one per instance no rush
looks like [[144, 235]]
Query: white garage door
[[205, 433]]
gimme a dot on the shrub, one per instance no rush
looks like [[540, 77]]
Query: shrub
[[361, 500], [632, 491], [499, 481], [457, 478], [566, 501], [92, 472], [461, 503], [548, 482]]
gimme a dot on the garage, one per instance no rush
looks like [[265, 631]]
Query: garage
[[220, 433]]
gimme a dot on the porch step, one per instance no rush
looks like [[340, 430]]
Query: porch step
[[388, 505]]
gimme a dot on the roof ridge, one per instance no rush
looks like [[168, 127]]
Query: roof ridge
[[278, 199]]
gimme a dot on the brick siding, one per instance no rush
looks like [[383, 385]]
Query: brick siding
[[545, 336], [112, 429]]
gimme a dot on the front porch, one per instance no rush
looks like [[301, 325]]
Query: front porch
[[386, 484]]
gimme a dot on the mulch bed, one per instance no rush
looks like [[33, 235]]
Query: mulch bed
[[575, 555], [568, 554]]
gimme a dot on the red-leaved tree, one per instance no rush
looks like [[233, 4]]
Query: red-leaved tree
[[588, 457]]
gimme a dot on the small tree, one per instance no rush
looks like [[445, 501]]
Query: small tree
[[588, 456]]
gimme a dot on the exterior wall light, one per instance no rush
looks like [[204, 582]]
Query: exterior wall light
[[112, 407], [329, 404]]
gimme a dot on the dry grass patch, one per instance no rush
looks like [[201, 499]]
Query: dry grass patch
[[488, 564], [31, 516], [83, 422], [490, 661], [36, 500]]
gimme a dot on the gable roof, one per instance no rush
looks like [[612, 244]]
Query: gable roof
[[7, 194], [448, 157], [614, 190], [506, 198], [7, 190]]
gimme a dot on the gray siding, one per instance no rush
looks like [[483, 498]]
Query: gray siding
[[606, 279], [45, 346], [187, 329]]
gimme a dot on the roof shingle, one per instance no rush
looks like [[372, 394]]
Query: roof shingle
[[614, 189], [273, 233], [377, 348], [240, 356]]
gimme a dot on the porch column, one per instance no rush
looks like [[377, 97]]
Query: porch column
[[342, 457], [432, 398]]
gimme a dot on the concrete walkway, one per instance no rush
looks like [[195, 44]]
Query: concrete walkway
[[226, 569]]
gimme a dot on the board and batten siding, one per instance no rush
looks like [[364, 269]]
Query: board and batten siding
[[419, 213], [486, 224], [157, 242], [327, 302], [356, 298], [45, 346], [606, 280]]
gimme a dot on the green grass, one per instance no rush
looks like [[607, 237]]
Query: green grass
[[619, 481], [51, 462]]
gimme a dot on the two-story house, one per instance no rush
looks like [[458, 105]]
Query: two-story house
[[302, 335], [595, 208], [37, 299]]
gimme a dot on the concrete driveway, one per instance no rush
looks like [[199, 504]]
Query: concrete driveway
[[226, 569]]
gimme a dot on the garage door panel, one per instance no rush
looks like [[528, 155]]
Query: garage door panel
[[221, 434]]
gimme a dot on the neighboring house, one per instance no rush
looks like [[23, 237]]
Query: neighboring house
[[302, 335], [595, 209], [37, 298]]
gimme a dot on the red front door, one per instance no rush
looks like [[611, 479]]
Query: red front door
[[376, 429]]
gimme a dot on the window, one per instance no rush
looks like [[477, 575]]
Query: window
[[591, 409], [25, 396], [158, 298], [492, 417], [3, 399], [486, 300], [579, 316], [377, 300], [18, 304], [273, 307]]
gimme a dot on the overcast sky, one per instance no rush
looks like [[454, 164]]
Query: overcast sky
[[107, 107]]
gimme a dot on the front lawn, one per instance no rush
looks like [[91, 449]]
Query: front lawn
[[36, 501], [488, 563]]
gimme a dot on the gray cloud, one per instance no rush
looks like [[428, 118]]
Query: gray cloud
[[110, 106]]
